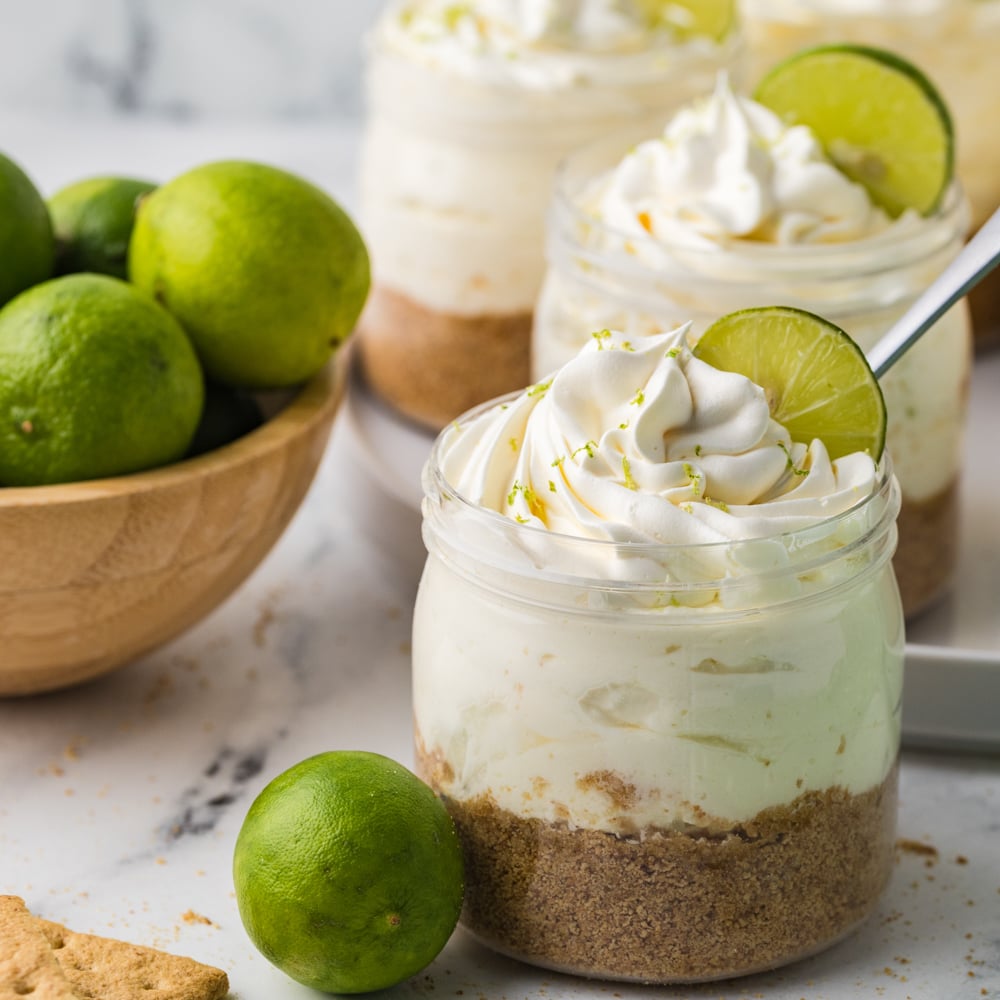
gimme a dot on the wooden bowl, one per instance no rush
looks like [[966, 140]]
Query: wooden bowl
[[93, 574]]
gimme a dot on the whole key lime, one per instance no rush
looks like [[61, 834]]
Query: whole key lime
[[27, 249], [348, 872], [265, 271], [93, 221], [96, 380]]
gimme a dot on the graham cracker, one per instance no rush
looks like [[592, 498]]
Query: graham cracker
[[101, 968], [28, 965], [50, 962]]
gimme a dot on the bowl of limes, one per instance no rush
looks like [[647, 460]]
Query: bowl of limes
[[171, 361]]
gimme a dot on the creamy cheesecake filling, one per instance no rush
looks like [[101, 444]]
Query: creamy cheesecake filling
[[471, 108]]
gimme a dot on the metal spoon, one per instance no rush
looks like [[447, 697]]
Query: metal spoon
[[979, 256]]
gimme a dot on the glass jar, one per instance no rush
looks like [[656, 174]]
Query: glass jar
[[455, 175], [665, 763], [954, 42], [601, 279]]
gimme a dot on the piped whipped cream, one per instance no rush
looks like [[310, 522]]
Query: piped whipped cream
[[640, 441], [727, 168], [541, 43]]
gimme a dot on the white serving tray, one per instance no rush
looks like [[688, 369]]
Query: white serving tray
[[951, 697]]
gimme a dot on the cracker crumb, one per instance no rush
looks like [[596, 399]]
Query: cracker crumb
[[918, 847], [190, 917]]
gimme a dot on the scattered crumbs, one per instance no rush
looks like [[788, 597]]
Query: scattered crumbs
[[162, 685], [393, 613], [917, 847], [72, 751], [265, 619], [406, 647], [161, 861], [190, 917], [68, 792], [970, 902], [961, 859]]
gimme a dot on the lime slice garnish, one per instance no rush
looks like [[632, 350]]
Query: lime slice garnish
[[817, 381], [881, 121], [713, 19]]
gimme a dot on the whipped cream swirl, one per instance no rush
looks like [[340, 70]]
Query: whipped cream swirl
[[643, 442], [544, 43], [727, 168]]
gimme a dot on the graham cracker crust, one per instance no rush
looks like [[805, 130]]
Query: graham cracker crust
[[927, 553], [433, 366], [676, 906]]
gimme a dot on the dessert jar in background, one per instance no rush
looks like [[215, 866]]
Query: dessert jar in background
[[666, 762], [607, 270], [470, 108], [954, 41]]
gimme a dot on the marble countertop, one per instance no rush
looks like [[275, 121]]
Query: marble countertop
[[121, 799]]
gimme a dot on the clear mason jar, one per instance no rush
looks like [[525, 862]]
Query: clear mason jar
[[955, 42], [665, 763], [455, 175], [601, 279]]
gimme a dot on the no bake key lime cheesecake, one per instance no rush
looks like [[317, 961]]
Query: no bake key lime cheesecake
[[954, 41], [657, 653], [832, 190], [471, 106]]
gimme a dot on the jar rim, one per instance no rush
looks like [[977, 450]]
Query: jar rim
[[874, 513], [648, 64]]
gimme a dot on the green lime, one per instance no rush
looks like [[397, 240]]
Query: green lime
[[27, 248], [93, 222], [713, 19], [348, 872], [816, 378], [228, 414], [95, 380], [266, 272], [881, 121]]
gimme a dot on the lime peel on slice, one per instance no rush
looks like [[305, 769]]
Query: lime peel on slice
[[880, 120], [817, 380]]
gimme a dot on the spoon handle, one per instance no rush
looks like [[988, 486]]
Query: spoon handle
[[979, 256]]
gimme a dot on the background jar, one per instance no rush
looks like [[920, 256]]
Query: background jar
[[955, 42], [456, 173], [665, 763], [601, 279]]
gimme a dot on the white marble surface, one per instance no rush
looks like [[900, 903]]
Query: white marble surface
[[121, 800], [184, 58]]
